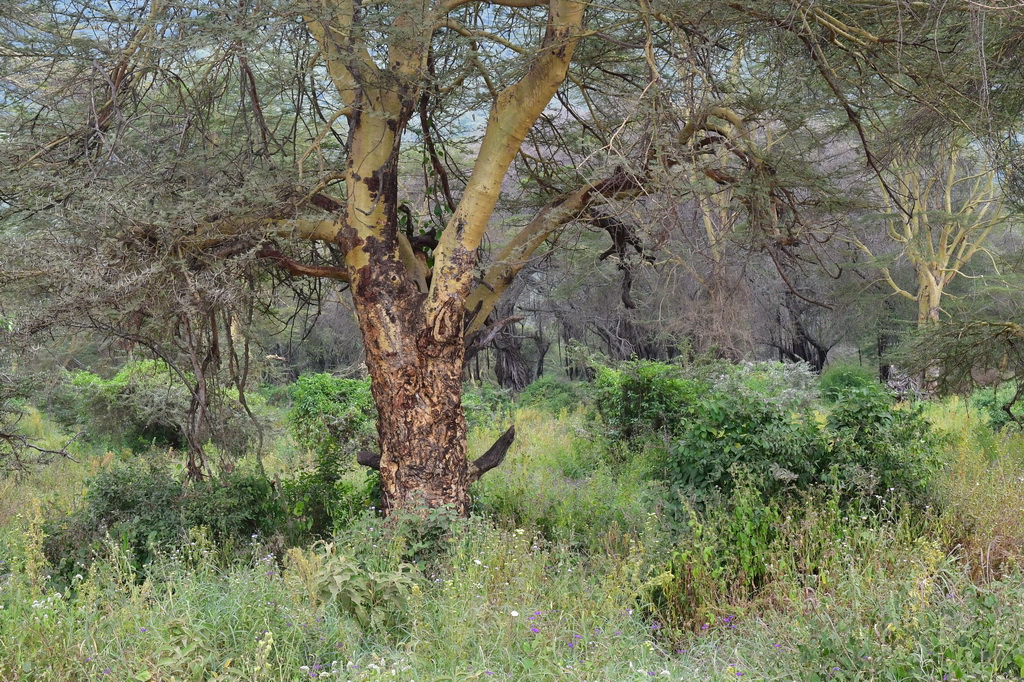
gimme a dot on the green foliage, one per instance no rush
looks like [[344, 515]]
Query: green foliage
[[485, 404], [642, 397], [333, 418], [572, 489], [722, 556], [576, 567], [146, 403], [793, 386], [759, 418], [836, 380], [991, 402], [378, 600], [555, 395], [973, 632], [143, 507], [317, 507], [878, 448], [728, 428]]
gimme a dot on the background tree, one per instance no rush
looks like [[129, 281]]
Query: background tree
[[950, 204]]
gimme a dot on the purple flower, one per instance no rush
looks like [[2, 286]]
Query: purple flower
[[534, 630]]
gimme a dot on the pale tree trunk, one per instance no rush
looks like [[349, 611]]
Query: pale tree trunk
[[929, 301], [930, 287]]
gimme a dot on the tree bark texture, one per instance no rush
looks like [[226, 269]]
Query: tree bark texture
[[412, 316]]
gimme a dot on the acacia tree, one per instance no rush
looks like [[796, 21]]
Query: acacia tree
[[950, 204], [190, 132]]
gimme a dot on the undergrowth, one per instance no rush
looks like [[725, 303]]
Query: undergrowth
[[584, 559]]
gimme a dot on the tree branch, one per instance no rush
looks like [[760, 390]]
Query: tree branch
[[297, 269], [494, 456]]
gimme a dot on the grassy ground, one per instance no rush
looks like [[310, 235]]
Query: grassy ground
[[563, 574]]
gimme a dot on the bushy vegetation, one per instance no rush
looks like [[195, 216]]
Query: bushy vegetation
[[554, 394], [994, 402], [742, 529], [144, 509], [333, 418], [761, 422], [838, 379], [146, 403]]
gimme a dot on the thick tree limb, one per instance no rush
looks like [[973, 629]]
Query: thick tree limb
[[449, 5], [513, 114], [369, 459], [494, 456], [297, 269], [480, 340], [518, 252]]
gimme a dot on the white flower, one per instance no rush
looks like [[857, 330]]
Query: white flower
[[515, 614], [477, 562]]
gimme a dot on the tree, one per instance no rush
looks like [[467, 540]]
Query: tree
[[159, 140], [950, 206]]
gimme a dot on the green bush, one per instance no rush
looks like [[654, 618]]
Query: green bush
[[334, 419], [145, 404], [837, 379], [722, 558], [759, 418], [555, 395], [142, 506], [990, 401], [485, 404], [316, 507], [878, 447], [642, 397], [780, 450]]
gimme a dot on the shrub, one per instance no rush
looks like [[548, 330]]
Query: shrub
[[877, 446], [142, 507], [642, 397], [316, 507], [147, 403], [721, 560], [485, 404], [779, 450], [990, 401], [868, 448], [554, 395], [837, 379], [334, 419]]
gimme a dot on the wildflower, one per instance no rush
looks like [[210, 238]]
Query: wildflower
[[535, 630], [515, 614]]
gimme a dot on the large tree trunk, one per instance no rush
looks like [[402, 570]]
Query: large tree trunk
[[416, 376]]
